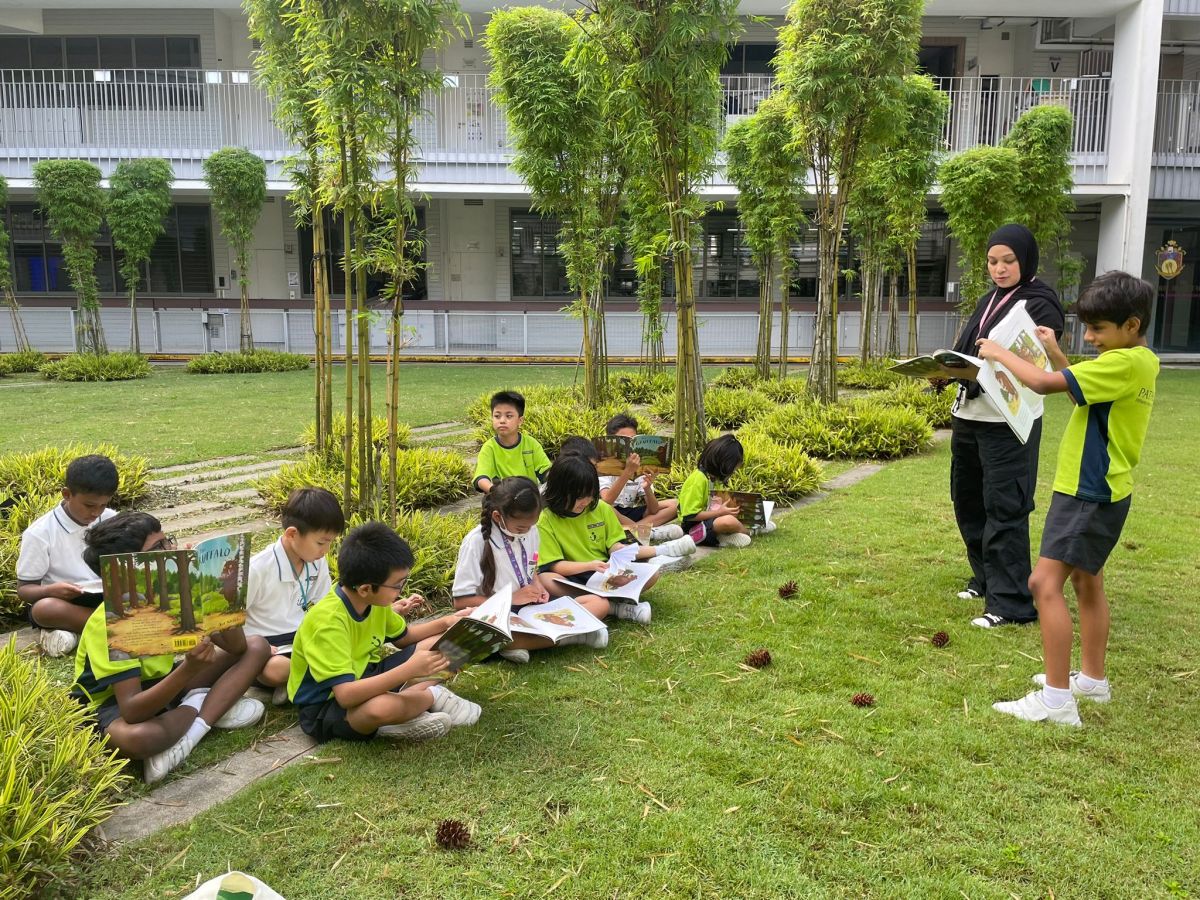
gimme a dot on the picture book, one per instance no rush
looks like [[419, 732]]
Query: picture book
[[753, 510], [491, 625], [655, 453], [165, 601], [1019, 406], [623, 580]]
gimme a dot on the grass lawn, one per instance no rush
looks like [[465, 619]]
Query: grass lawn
[[660, 767], [173, 417]]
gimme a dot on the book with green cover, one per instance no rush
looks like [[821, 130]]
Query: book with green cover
[[656, 454]]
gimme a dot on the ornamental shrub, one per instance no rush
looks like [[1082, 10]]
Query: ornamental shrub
[[639, 387], [918, 396], [727, 408], [777, 471], [537, 396], [786, 390], [873, 376], [97, 367], [859, 429], [60, 780], [337, 435], [244, 363], [737, 377], [22, 361]]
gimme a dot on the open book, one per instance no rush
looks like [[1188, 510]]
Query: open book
[[165, 601], [940, 364], [623, 580], [491, 625], [656, 453], [753, 510], [1019, 406]]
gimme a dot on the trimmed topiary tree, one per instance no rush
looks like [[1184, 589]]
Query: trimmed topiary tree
[[238, 182], [70, 197], [138, 202]]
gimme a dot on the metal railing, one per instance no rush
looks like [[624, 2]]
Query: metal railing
[[451, 333], [1176, 160], [1181, 7], [183, 115]]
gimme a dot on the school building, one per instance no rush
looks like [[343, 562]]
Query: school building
[[106, 82]]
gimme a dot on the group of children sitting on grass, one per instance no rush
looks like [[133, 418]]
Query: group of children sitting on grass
[[320, 645]]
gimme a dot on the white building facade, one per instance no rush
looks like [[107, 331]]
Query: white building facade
[[105, 83]]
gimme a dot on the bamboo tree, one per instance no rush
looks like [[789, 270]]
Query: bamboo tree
[[237, 181], [770, 177], [840, 66], [978, 197], [281, 68], [668, 57], [6, 280], [138, 202], [555, 85], [647, 234], [73, 203], [867, 216]]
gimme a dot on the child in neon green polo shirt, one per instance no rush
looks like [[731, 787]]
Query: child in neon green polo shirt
[[1113, 396], [509, 452]]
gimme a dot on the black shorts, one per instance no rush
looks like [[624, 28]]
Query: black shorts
[[632, 513], [327, 721], [701, 532], [87, 601], [1082, 533]]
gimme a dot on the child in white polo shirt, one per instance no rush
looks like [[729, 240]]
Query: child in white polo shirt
[[51, 575], [291, 575]]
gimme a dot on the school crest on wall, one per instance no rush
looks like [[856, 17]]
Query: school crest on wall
[[1168, 261]]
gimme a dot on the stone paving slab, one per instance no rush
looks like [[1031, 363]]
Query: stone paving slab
[[212, 517], [181, 800], [252, 525], [171, 513], [242, 478], [216, 477]]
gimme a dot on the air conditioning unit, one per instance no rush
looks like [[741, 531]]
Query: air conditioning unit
[[1056, 34]]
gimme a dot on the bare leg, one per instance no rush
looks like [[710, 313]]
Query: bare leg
[[597, 606], [152, 736], [1046, 583], [50, 612], [729, 525], [529, 642], [229, 676], [276, 672], [390, 709], [667, 510], [1093, 622]]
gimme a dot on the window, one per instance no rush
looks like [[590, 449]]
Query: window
[[89, 52], [180, 261], [336, 278], [539, 271]]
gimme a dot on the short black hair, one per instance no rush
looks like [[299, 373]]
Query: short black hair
[[1116, 297], [569, 480], [126, 532], [369, 555], [92, 474], [721, 457], [510, 398], [574, 445], [619, 421], [313, 509]]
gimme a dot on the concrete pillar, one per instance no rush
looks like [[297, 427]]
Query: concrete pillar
[[1132, 102]]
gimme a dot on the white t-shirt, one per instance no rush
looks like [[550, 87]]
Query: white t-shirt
[[468, 575], [276, 598], [52, 551], [633, 494]]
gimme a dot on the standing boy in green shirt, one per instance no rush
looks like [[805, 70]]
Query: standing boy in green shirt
[[1113, 396], [508, 452]]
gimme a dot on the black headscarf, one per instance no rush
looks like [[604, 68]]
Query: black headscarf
[[1041, 300]]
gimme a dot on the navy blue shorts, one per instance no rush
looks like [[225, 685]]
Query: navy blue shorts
[[87, 601], [327, 721], [632, 513], [1082, 533]]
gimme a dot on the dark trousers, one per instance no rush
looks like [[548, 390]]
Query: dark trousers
[[992, 481]]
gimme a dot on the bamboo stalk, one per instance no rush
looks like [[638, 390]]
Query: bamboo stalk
[[348, 438], [912, 301]]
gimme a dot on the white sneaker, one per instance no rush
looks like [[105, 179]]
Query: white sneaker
[[426, 726], [766, 529], [279, 696], [597, 640], [665, 533], [520, 657], [737, 539], [968, 593], [632, 612], [1098, 694], [1032, 708], [460, 710], [55, 642], [683, 546], [246, 712], [156, 767], [675, 563]]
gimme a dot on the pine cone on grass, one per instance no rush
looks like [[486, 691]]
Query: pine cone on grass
[[758, 659], [863, 699], [941, 639], [453, 835], [788, 589]]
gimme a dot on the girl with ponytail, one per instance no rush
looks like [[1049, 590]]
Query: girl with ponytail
[[503, 551]]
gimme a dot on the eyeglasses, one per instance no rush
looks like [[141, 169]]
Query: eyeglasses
[[167, 542], [398, 586]]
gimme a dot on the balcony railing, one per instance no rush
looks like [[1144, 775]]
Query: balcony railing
[[1176, 160], [183, 115], [1181, 7]]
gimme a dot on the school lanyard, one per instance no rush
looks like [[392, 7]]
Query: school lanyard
[[522, 572], [302, 583], [987, 312]]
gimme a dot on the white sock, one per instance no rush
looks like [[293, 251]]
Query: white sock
[[437, 690], [1087, 683], [195, 700], [1056, 698], [198, 729]]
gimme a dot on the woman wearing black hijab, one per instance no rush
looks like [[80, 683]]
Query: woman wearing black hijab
[[992, 474]]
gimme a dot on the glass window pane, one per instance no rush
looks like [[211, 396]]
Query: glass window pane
[[150, 52], [524, 233], [116, 52], [82, 53], [195, 249], [30, 271], [183, 53], [15, 52], [46, 53]]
